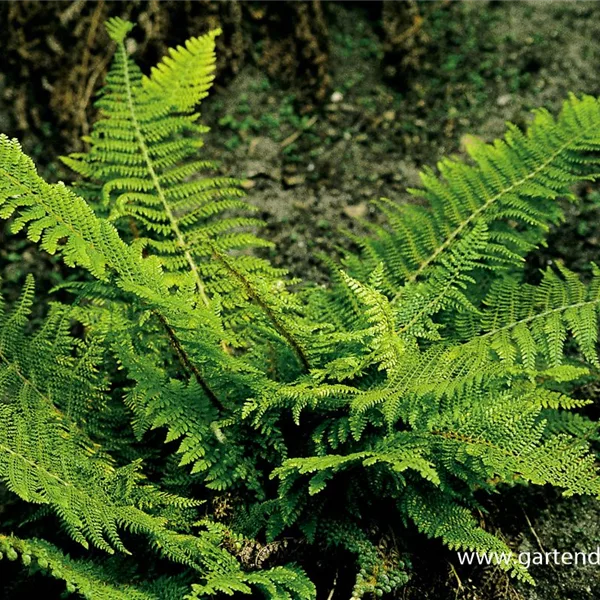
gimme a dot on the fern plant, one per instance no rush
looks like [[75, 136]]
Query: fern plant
[[189, 407]]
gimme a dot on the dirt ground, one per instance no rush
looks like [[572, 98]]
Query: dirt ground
[[312, 171]]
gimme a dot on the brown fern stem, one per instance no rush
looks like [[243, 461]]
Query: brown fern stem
[[186, 362], [255, 296]]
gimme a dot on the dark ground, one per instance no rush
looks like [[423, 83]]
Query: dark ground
[[313, 170]]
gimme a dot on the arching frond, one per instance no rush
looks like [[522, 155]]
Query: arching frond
[[513, 189]]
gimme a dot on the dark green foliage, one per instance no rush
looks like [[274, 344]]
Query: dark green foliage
[[427, 372]]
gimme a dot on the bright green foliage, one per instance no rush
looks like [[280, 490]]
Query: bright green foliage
[[532, 322], [143, 160], [91, 580], [46, 457], [511, 189], [431, 370]]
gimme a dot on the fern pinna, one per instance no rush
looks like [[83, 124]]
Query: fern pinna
[[430, 371]]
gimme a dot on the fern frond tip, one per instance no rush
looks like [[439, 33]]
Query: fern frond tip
[[118, 29]]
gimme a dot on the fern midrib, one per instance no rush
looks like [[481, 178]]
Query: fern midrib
[[13, 366], [155, 181], [541, 315], [431, 303], [187, 363], [487, 204], [279, 326]]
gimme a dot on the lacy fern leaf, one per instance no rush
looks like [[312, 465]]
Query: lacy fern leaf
[[190, 413], [144, 159], [515, 180]]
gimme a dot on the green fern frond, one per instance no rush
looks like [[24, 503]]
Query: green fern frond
[[278, 583], [52, 214], [63, 222], [118, 29], [190, 373], [516, 180], [144, 157], [183, 78], [440, 517], [398, 453], [46, 459], [506, 436], [532, 323], [83, 577]]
